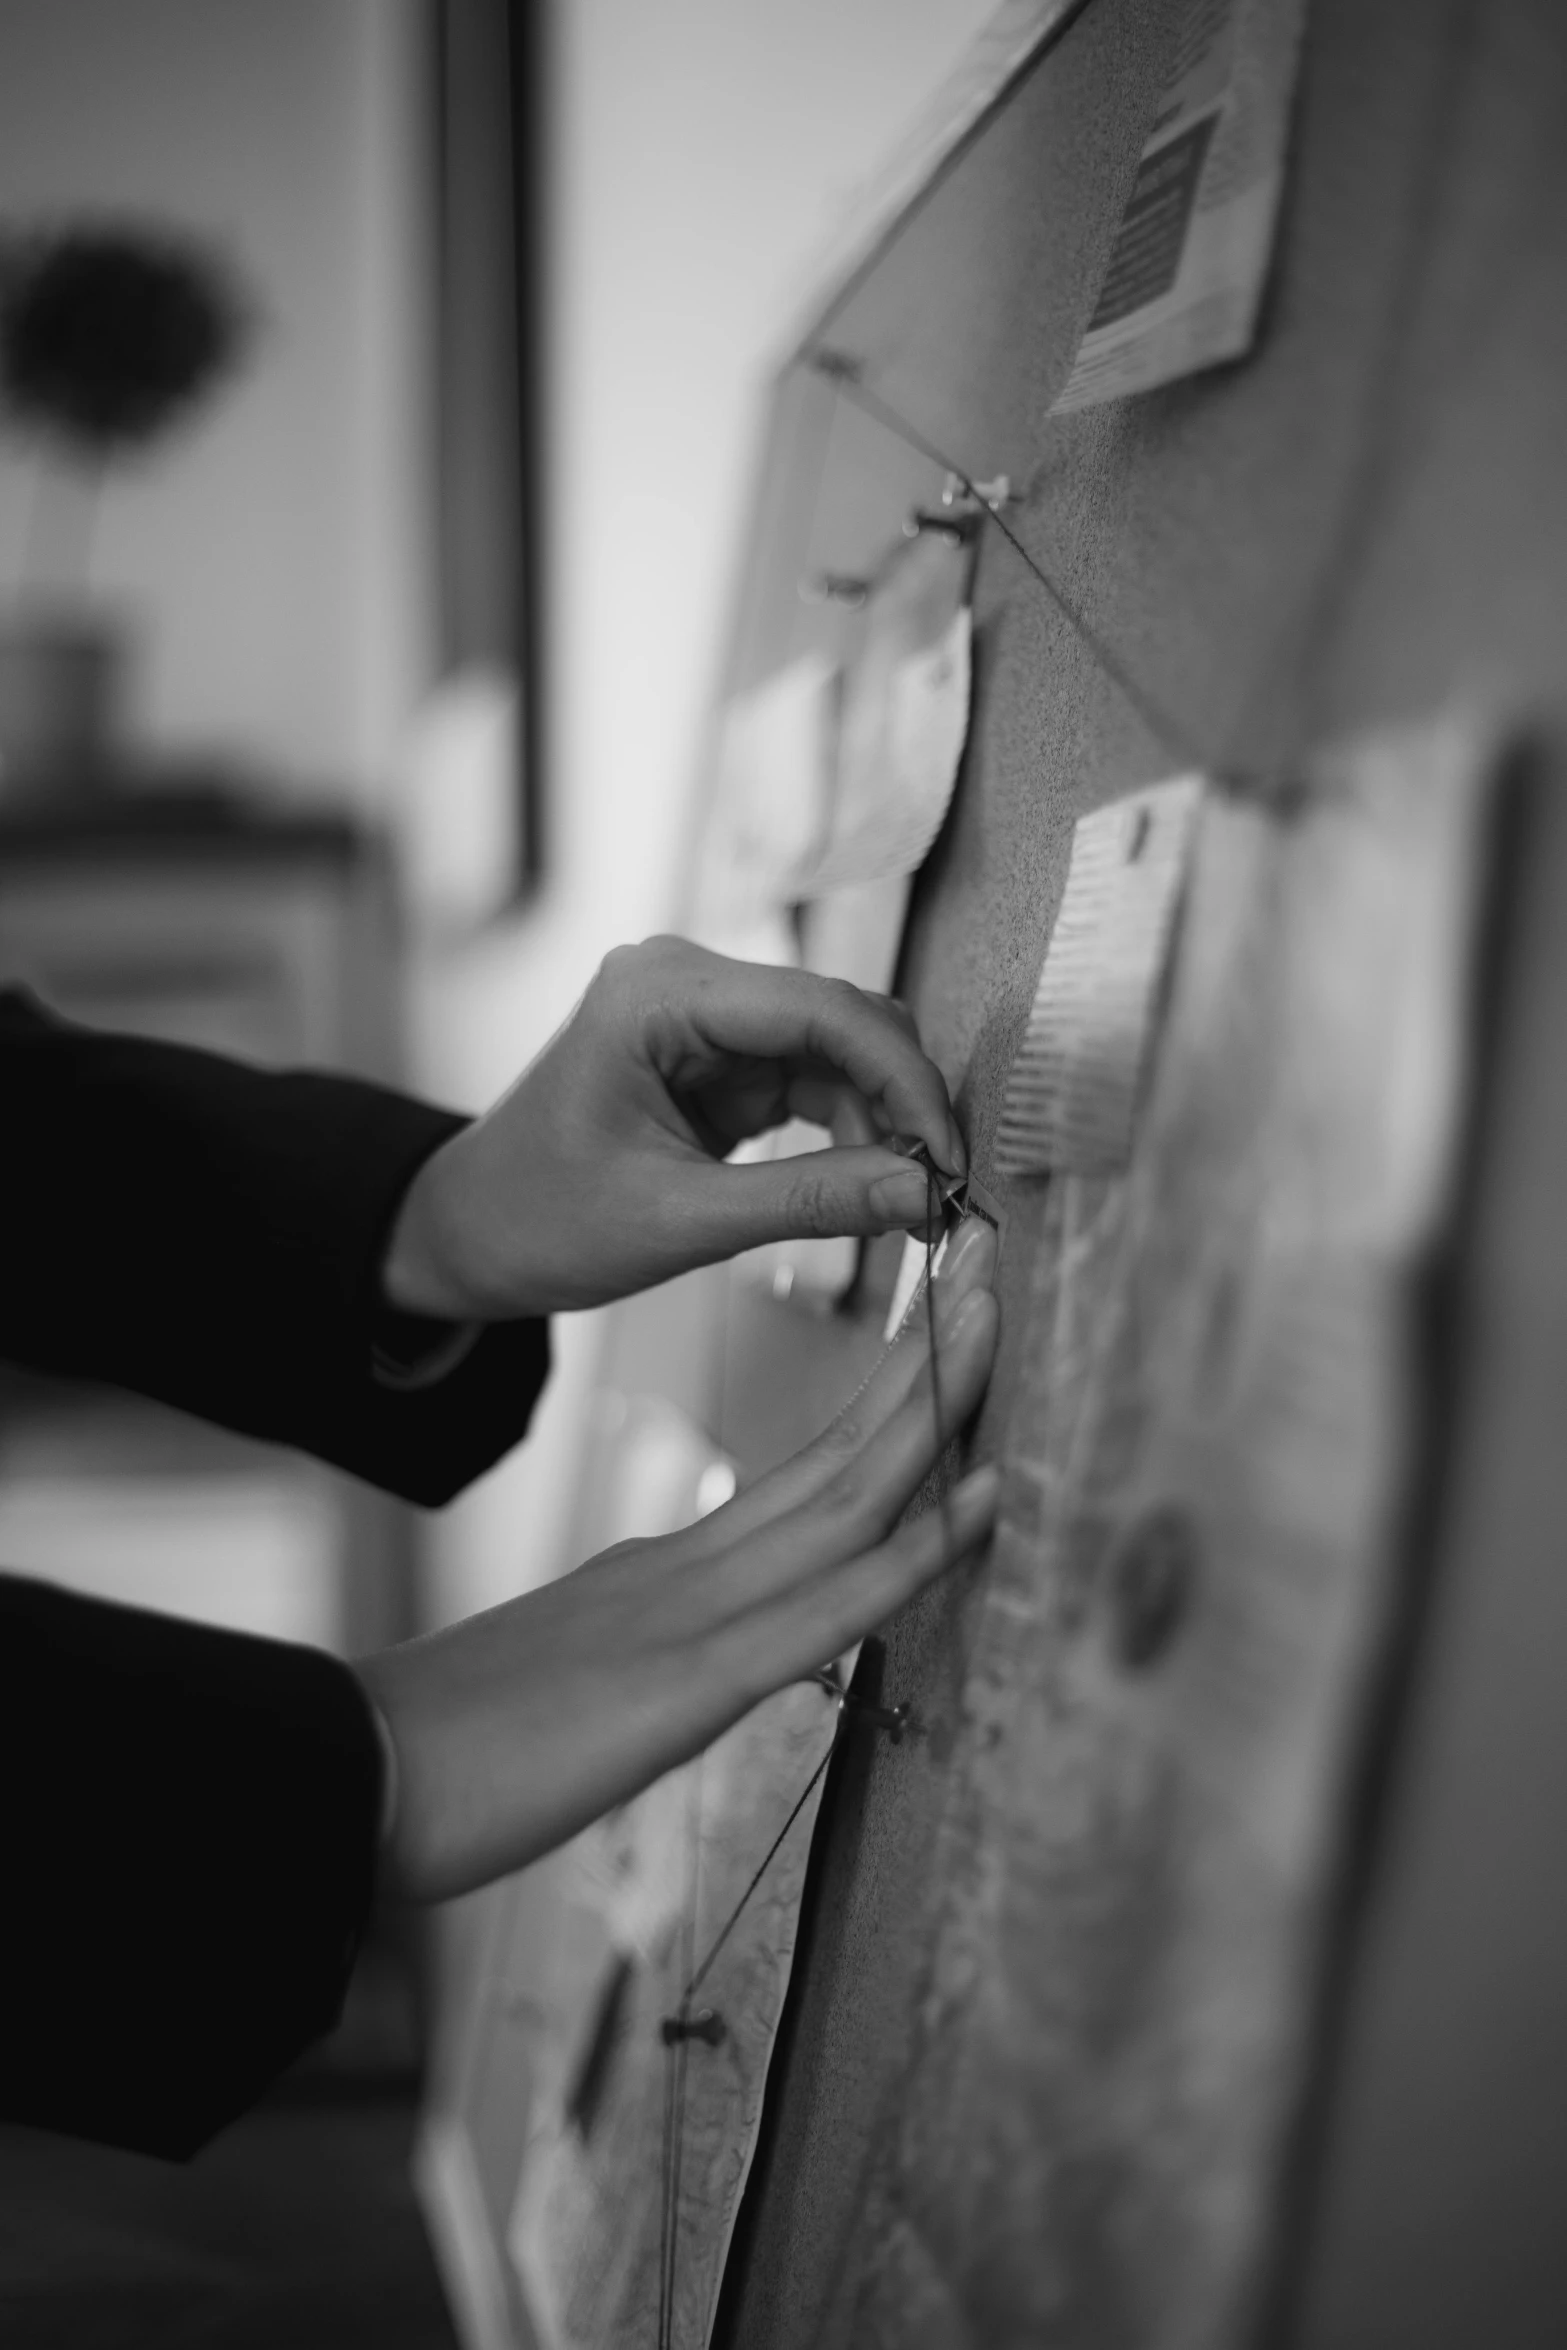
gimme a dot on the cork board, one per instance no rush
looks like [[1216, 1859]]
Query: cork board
[[1363, 523]]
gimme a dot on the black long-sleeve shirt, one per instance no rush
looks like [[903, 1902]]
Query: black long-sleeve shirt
[[188, 1817]]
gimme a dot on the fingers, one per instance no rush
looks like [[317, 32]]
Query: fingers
[[815, 1195], [903, 1371], [784, 1015], [855, 1504], [788, 1636]]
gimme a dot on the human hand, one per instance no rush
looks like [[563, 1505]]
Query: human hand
[[601, 1171], [515, 1729]]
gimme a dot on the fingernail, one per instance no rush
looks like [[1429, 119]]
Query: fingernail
[[981, 1489], [970, 1259], [957, 1150], [977, 1305], [901, 1199]]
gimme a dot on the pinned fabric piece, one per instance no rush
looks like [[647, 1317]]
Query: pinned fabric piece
[[777, 757], [1072, 1096], [1185, 275]]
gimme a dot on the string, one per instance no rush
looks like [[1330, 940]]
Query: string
[[702, 1972], [1167, 730], [666, 2233], [675, 2084], [678, 2033], [933, 1223]]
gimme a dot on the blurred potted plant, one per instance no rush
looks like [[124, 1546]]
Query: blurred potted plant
[[108, 338]]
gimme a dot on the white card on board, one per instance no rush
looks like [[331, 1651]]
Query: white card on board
[[1072, 1094]]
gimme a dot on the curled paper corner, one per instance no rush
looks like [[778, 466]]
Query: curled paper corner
[[905, 725], [776, 759], [1071, 1099]]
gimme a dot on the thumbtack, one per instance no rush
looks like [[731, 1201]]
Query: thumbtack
[[943, 526], [894, 1719], [994, 494], [704, 2025]]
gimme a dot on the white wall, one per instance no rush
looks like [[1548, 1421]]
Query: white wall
[[705, 150], [276, 556]]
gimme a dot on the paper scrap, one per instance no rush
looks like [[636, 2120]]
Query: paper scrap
[[776, 763], [910, 1282], [587, 2227], [1185, 276], [904, 728], [857, 934], [904, 716], [1072, 1095]]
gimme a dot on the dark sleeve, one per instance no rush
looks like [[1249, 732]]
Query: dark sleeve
[[190, 1822], [212, 1235]]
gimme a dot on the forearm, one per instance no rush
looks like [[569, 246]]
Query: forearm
[[192, 1821], [214, 1236]]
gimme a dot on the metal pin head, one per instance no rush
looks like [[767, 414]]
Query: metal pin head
[[704, 2025], [959, 490]]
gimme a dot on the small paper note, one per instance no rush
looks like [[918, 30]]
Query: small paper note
[[1071, 1098], [904, 728], [857, 934], [777, 759], [1185, 276]]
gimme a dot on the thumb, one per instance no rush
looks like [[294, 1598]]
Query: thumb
[[814, 1196]]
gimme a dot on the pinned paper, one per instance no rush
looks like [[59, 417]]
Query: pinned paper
[[629, 1898], [630, 1902], [910, 1281], [904, 727], [1072, 1095], [777, 761], [904, 720], [1185, 276], [857, 934]]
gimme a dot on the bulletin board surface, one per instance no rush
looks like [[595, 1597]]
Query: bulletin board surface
[[1362, 523]]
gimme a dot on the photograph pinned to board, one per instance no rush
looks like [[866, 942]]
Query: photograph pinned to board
[[1183, 284], [1072, 1093]]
